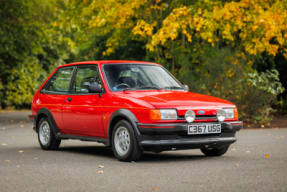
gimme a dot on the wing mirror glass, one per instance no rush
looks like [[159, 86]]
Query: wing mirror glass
[[186, 87]]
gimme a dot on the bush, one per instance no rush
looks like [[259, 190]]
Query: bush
[[228, 75]]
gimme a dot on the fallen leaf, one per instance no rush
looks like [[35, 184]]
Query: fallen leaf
[[100, 172], [231, 144], [3, 128], [18, 166], [36, 158], [21, 151], [101, 166], [22, 125], [268, 134], [255, 146], [7, 161], [233, 149], [37, 140], [23, 121], [277, 137], [247, 151], [4, 144], [20, 122], [267, 155], [13, 136], [155, 189], [12, 121], [282, 137], [236, 164]]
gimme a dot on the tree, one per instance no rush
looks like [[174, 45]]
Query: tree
[[29, 50]]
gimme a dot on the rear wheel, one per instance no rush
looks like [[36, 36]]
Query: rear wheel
[[215, 151], [124, 142], [46, 135]]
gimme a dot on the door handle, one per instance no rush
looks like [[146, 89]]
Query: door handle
[[69, 99]]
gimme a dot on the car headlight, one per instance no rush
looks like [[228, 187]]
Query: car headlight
[[189, 116], [163, 114], [229, 113], [221, 115]]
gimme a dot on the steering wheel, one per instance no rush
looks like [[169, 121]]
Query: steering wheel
[[124, 84]]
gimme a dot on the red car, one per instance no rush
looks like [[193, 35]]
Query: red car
[[132, 106]]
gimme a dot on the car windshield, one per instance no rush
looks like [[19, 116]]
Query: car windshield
[[139, 77]]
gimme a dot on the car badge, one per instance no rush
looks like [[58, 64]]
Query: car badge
[[200, 112]]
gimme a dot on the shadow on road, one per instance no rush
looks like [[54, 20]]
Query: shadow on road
[[147, 157], [89, 150]]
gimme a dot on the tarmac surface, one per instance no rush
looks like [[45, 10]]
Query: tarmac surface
[[256, 162]]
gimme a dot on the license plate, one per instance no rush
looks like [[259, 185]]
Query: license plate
[[204, 129]]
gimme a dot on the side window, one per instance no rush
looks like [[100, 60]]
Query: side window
[[99, 80], [84, 77], [60, 82]]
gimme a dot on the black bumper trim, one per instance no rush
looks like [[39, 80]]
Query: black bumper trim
[[152, 129]]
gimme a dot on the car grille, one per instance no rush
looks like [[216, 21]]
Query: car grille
[[199, 117]]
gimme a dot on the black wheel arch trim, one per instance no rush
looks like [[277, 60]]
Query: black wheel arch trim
[[127, 114], [45, 111]]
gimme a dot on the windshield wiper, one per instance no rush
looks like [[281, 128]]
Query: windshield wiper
[[170, 87], [145, 87]]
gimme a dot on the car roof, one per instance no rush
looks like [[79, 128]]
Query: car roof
[[108, 62]]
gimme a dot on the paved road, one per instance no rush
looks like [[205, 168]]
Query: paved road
[[74, 167]]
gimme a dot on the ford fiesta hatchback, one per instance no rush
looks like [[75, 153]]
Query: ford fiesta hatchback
[[131, 106]]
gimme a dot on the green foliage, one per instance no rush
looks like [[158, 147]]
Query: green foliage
[[223, 73], [31, 49], [267, 81], [215, 47], [264, 86]]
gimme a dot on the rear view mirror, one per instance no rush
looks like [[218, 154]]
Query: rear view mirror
[[186, 87], [95, 88]]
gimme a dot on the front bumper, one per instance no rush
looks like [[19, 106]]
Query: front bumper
[[169, 136]]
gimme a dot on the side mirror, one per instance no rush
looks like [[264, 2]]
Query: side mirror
[[95, 88], [186, 87]]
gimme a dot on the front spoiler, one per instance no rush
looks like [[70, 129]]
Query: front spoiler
[[174, 136]]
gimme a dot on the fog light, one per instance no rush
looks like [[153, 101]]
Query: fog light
[[189, 116]]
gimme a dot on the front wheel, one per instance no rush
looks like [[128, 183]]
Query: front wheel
[[215, 151], [124, 142], [46, 135]]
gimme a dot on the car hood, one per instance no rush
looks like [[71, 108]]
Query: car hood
[[179, 100]]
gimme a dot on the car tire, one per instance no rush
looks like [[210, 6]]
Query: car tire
[[46, 136], [215, 151], [124, 142]]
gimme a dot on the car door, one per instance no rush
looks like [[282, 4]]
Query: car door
[[82, 111], [54, 92]]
